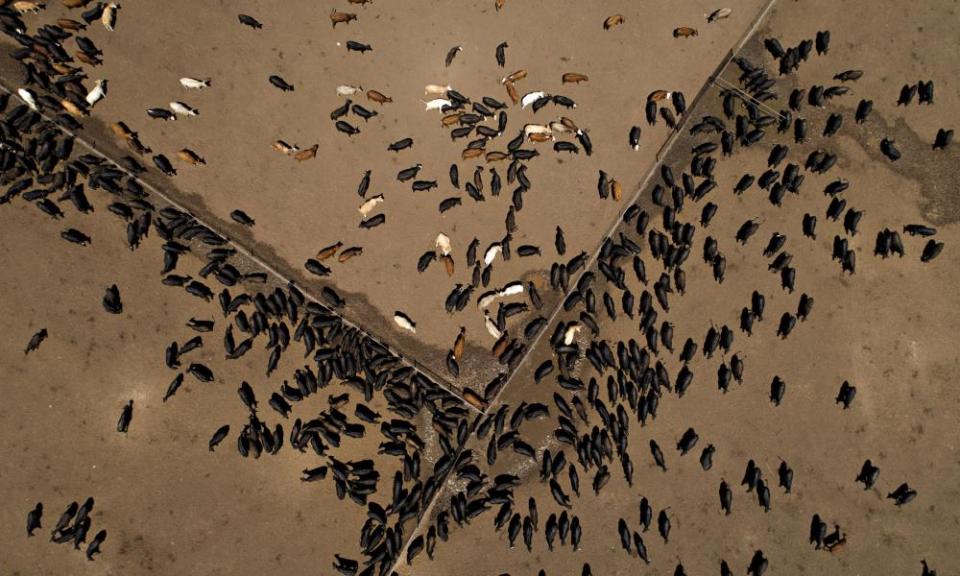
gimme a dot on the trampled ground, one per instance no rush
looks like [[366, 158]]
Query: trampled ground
[[170, 505]]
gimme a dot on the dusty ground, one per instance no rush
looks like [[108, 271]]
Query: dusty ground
[[877, 329], [300, 208], [173, 507]]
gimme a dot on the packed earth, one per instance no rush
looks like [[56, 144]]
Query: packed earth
[[483, 288]]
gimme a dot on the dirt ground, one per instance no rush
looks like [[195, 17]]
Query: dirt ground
[[171, 506], [886, 329], [300, 208]]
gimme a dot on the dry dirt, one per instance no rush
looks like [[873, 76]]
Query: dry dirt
[[173, 507]]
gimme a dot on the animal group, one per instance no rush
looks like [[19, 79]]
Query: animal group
[[462, 455]]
